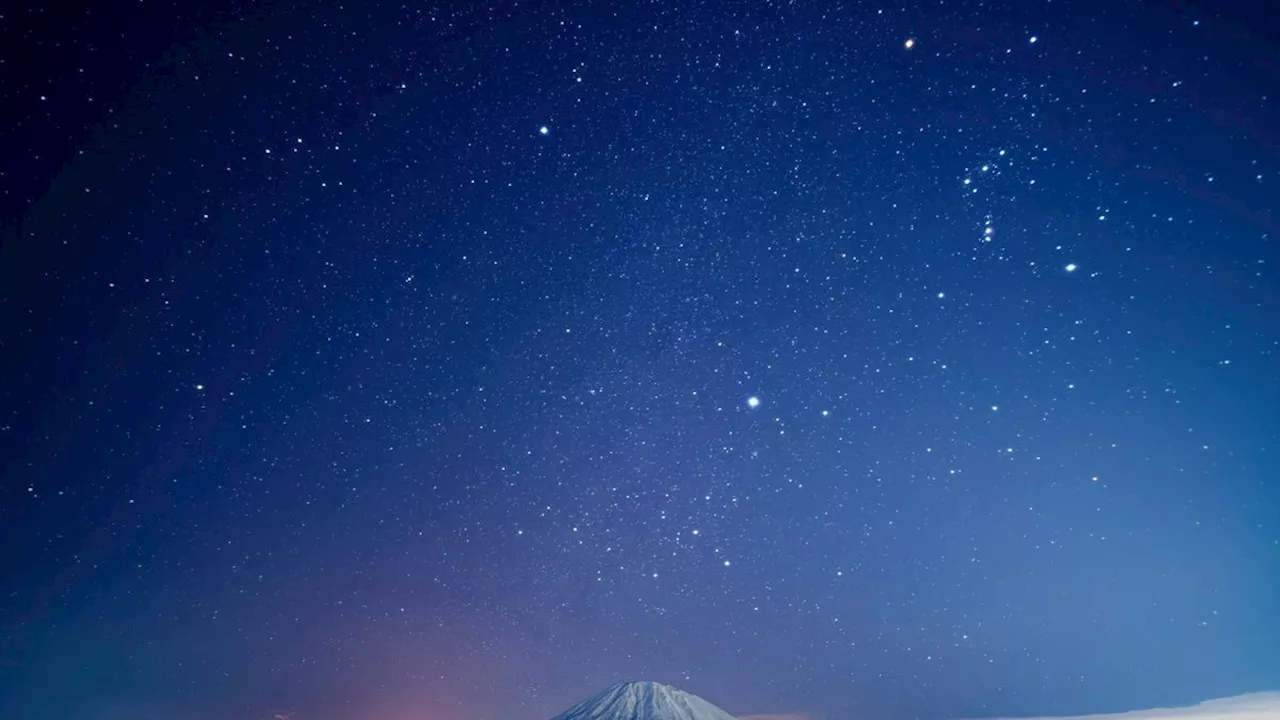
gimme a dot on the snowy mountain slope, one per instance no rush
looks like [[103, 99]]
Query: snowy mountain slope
[[644, 701]]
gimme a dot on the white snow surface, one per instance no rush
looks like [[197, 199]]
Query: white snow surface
[[1255, 706], [644, 701]]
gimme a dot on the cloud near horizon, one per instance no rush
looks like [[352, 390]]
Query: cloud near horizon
[[1254, 706]]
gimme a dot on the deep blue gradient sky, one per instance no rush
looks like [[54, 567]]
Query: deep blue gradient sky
[[399, 361]]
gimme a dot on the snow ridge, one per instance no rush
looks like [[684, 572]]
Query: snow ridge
[[644, 701]]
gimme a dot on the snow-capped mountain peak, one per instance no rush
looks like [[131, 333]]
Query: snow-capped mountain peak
[[644, 701]]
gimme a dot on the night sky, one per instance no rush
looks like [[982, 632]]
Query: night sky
[[864, 361]]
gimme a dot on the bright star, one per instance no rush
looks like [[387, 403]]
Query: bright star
[[753, 402]]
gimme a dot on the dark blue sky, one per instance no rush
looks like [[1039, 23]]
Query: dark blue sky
[[455, 362]]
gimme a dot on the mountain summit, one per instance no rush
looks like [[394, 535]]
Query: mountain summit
[[644, 701]]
